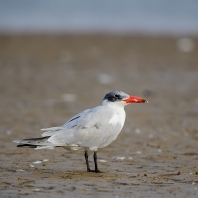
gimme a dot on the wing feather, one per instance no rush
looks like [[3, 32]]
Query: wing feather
[[88, 129]]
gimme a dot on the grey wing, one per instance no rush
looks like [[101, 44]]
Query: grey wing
[[89, 131], [71, 123]]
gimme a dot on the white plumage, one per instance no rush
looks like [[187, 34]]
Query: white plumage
[[92, 129], [89, 130]]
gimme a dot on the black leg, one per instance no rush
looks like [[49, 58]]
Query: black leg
[[87, 162], [95, 161]]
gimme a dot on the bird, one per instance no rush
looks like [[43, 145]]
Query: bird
[[89, 130]]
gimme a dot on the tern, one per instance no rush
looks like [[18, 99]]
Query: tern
[[89, 130]]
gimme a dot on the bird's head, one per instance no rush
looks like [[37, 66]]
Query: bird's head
[[121, 98]]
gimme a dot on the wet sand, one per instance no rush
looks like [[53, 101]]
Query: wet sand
[[44, 80]]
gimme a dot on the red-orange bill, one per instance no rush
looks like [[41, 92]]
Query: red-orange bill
[[135, 99]]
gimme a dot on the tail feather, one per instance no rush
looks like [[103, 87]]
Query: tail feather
[[42, 143], [27, 145], [33, 143]]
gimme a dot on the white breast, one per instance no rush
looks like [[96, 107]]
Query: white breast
[[114, 128], [117, 121]]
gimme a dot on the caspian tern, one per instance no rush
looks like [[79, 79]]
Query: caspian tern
[[89, 130]]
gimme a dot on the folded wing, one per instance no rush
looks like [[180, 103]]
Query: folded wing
[[86, 129]]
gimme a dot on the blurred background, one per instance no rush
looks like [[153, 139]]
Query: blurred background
[[111, 16], [60, 57]]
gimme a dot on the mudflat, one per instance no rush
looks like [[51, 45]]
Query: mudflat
[[44, 80]]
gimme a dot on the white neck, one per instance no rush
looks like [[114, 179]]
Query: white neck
[[120, 104]]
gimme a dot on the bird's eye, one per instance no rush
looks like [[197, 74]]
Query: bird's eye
[[111, 99], [117, 96]]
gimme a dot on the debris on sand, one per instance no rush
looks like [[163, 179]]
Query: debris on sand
[[40, 161], [36, 189], [37, 162], [101, 160], [8, 132], [118, 158], [20, 170], [137, 131]]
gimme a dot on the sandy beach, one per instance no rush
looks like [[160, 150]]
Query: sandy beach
[[45, 80]]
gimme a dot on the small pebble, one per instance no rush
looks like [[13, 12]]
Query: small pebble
[[118, 158], [36, 189], [20, 170], [102, 160], [37, 162], [8, 132], [137, 131]]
